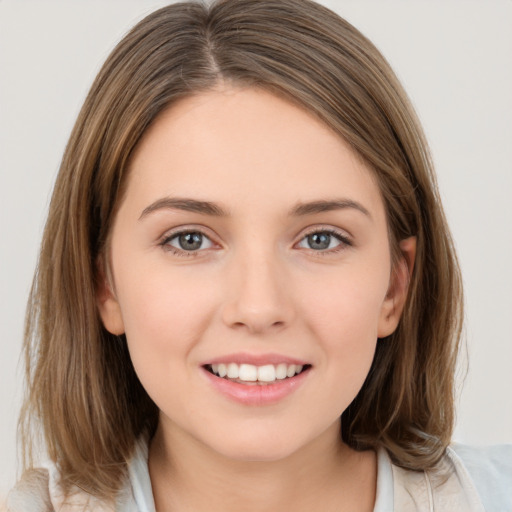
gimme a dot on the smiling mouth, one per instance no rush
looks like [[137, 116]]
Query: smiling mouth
[[256, 375]]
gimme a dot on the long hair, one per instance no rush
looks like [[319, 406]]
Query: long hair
[[81, 386]]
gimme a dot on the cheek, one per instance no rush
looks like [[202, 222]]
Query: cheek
[[164, 315], [344, 319], [346, 307]]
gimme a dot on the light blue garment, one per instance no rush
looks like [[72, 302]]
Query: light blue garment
[[490, 468], [469, 480], [480, 477]]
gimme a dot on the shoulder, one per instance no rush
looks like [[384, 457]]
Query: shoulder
[[490, 470], [31, 493], [466, 478], [39, 491]]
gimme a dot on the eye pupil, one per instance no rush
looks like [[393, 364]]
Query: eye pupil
[[319, 240], [191, 241]]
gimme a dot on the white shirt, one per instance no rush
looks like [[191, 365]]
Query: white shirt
[[470, 480]]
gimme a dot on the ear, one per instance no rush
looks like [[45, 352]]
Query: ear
[[398, 286], [107, 303]]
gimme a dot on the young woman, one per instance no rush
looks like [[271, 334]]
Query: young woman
[[247, 296]]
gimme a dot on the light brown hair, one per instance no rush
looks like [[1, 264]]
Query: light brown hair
[[81, 385]]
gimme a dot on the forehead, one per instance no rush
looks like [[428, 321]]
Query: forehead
[[246, 148]]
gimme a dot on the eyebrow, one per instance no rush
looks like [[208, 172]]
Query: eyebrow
[[185, 204], [213, 209], [327, 206]]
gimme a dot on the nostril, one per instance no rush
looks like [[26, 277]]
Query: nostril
[[258, 310]]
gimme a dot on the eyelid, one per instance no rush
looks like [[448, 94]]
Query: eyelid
[[181, 230], [345, 239], [326, 228]]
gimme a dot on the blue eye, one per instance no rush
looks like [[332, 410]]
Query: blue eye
[[324, 241], [188, 241]]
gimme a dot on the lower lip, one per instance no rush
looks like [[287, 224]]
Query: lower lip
[[257, 394]]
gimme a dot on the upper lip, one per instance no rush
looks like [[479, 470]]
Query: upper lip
[[255, 359]]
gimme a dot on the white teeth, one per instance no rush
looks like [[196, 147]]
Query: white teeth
[[222, 370], [281, 371], [252, 373], [267, 373], [232, 371], [290, 372], [248, 372]]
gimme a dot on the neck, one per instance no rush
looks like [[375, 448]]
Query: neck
[[187, 475]]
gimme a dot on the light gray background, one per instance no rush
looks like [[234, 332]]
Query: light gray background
[[455, 60]]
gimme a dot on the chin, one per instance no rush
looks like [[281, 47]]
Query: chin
[[258, 446]]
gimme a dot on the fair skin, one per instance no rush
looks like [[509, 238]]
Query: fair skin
[[288, 263]]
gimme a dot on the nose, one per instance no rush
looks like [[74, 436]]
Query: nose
[[258, 294]]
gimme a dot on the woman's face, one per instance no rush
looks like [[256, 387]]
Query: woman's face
[[251, 240]]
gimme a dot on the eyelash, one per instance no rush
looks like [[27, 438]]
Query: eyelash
[[342, 238], [178, 252]]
